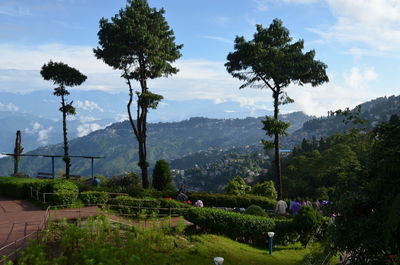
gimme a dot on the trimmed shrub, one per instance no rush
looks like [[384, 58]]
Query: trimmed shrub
[[225, 200], [242, 227], [130, 205], [94, 197], [18, 187], [174, 206], [66, 192], [256, 210]]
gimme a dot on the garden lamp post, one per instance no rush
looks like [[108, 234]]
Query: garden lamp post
[[270, 237], [218, 260]]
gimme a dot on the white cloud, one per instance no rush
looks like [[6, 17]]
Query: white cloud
[[219, 39], [332, 96], [85, 119], [88, 105], [374, 23], [43, 135], [121, 117], [85, 129], [8, 107]]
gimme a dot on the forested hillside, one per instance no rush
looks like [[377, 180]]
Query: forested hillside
[[165, 141]]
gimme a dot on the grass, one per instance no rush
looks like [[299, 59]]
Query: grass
[[207, 246]]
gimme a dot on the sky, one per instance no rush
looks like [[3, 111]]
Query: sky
[[359, 40]]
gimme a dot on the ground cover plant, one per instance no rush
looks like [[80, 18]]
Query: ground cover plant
[[97, 241]]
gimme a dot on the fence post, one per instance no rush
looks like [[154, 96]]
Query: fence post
[[31, 192], [169, 209], [37, 195], [44, 197], [26, 224]]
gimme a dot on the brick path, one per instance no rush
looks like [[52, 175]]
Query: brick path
[[19, 218]]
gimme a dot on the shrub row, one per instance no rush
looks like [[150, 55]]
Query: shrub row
[[242, 227], [94, 197], [224, 200], [17, 187]]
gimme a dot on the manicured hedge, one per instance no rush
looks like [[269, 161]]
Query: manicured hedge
[[224, 200], [17, 187], [241, 227], [94, 197], [130, 205]]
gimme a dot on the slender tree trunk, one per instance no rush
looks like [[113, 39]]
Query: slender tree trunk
[[66, 157], [276, 143], [17, 151], [140, 131]]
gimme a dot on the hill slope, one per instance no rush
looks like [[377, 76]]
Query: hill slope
[[165, 141]]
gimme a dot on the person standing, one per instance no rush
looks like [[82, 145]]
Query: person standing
[[281, 207]]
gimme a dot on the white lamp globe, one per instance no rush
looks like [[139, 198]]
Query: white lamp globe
[[271, 234], [218, 260]]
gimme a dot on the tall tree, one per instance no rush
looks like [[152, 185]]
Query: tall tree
[[18, 149], [270, 60], [139, 42], [62, 75]]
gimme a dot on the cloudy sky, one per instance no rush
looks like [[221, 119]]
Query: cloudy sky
[[359, 40]]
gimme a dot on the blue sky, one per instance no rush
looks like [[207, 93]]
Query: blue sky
[[358, 40]]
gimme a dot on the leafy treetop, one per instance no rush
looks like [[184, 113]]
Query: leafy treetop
[[138, 41], [63, 75]]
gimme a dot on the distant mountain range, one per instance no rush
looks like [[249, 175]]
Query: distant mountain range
[[165, 141], [196, 139]]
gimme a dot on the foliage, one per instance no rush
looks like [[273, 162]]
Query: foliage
[[243, 227], [62, 75], [307, 221], [100, 242], [225, 200], [127, 183], [316, 166], [237, 186], [266, 189], [270, 60], [130, 205], [256, 210], [94, 197], [162, 178], [370, 198], [17, 187], [65, 192], [139, 42]]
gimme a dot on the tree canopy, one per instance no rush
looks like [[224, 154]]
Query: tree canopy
[[272, 60], [139, 42]]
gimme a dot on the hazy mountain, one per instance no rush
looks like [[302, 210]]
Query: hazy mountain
[[38, 131], [165, 141]]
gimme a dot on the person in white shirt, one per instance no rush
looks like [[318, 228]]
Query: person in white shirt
[[281, 207]]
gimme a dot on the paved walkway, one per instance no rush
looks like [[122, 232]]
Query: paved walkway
[[19, 218]]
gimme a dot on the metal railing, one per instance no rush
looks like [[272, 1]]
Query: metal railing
[[11, 249]]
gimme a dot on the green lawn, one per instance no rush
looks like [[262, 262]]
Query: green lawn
[[205, 247]]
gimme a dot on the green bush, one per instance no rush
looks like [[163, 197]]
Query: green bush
[[307, 222], [174, 206], [266, 189], [256, 210], [242, 227], [94, 197], [130, 205], [237, 186], [18, 187], [65, 192], [225, 200]]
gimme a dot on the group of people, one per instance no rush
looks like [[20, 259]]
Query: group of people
[[295, 205]]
